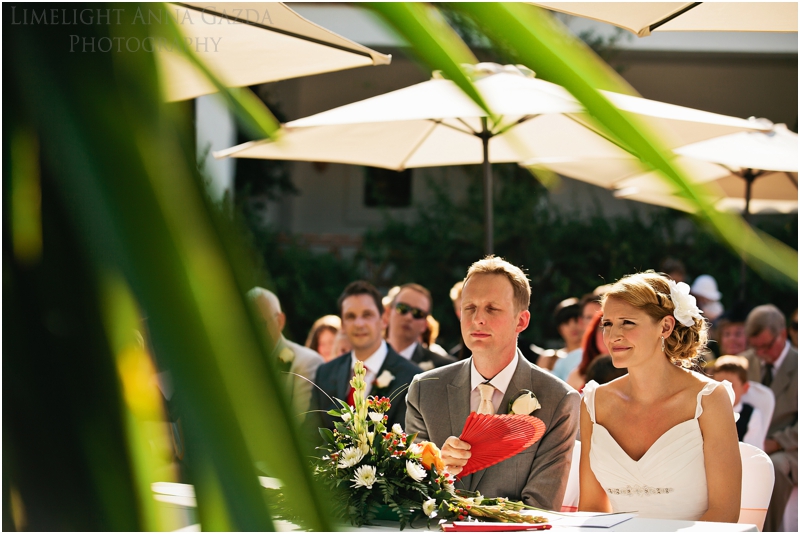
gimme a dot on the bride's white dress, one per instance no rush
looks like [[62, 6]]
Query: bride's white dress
[[669, 481]]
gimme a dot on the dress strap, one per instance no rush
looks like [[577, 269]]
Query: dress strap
[[588, 398], [708, 389]]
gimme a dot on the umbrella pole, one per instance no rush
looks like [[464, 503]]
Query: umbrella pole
[[488, 215], [749, 176]]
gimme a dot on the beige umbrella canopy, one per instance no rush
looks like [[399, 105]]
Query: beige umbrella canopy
[[435, 124], [252, 43], [642, 18]]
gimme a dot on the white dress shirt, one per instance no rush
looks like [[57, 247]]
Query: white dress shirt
[[372, 365], [408, 352], [500, 382]]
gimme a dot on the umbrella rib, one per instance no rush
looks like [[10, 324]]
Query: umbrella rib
[[470, 132], [674, 15], [791, 179], [419, 143], [276, 30], [515, 123], [600, 133]]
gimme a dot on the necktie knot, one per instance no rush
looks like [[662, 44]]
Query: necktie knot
[[486, 406]]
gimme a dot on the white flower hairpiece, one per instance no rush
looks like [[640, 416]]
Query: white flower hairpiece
[[686, 310]]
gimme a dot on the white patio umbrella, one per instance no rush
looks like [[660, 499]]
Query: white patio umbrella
[[747, 172], [435, 124], [252, 43], [642, 18]]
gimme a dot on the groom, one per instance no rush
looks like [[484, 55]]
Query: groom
[[494, 310]]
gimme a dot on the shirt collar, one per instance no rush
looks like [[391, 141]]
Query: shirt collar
[[408, 352], [375, 361], [500, 380], [779, 361]]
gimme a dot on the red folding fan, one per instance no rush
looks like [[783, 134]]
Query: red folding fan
[[495, 438]]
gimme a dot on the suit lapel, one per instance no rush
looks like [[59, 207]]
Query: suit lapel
[[458, 391], [784, 375], [519, 380], [342, 378], [418, 355]]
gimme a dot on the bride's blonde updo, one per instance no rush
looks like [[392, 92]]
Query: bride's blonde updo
[[650, 292]]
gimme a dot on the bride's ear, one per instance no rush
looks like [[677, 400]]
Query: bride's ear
[[667, 325]]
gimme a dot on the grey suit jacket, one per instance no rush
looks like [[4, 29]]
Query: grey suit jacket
[[783, 427], [438, 406], [305, 364]]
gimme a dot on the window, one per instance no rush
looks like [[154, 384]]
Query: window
[[387, 189]]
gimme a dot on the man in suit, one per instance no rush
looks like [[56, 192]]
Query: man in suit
[[293, 359], [765, 329], [406, 316], [495, 302], [388, 373]]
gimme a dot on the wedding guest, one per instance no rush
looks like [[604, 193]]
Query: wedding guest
[[704, 288], [593, 347], [460, 351], [388, 373], [323, 332], [496, 297], [730, 330], [566, 317], [341, 345], [429, 336], [294, 359], [407, 319], [589, 306], [644, 435], [751, 425], [766, 333]]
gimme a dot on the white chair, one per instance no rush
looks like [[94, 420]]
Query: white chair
[[761, 397], [790, 513], [572, 494], [758, 477]]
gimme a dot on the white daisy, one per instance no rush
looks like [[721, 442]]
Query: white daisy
[[416, 448], [350, 457], [429, 506], [364, 476], [415, 471]]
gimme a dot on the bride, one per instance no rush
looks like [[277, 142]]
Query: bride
[[660, 441]]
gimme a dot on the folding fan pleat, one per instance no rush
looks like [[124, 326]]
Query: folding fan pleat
[[494, 438]]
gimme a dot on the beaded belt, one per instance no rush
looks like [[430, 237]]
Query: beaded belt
[[639, 491]]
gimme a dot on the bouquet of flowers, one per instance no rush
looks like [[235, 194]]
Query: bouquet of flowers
[[374, 468]]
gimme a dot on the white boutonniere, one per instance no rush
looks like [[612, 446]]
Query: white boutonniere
[[286, 355], [384, 379], [426, 365], [525, 403], [686, 310]]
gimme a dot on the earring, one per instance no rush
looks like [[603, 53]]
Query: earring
[[662, 343]]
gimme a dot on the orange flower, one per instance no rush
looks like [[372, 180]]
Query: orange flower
[[431, 455]]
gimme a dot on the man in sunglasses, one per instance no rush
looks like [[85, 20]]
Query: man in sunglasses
[[406, 318], [765, 329]]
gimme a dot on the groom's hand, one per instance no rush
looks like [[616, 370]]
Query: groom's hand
[[455, 454]]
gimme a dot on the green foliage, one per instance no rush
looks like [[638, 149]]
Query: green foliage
[[308, 284], [565, 253]]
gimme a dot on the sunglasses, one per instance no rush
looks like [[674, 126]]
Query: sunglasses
[[416, 313]]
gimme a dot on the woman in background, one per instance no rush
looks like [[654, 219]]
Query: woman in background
[[322, 334], [593, 347]]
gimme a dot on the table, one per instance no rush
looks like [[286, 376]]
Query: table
[[182, 496]]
